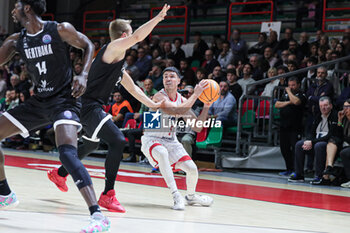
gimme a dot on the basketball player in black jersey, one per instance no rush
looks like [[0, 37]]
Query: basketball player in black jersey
[[43, 47], [103, 75]]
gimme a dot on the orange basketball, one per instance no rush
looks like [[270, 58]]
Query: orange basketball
[[212, 93]]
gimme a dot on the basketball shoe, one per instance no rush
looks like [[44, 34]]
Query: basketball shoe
[[193, 199], [110, 202], [98, 223], [9, 201], [179, 203], [58, 180]]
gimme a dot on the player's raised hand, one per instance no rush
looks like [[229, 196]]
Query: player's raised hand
[[200, 87], [78, 85], [163, 12]]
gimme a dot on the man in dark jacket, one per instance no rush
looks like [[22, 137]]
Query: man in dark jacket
[[316, 142]]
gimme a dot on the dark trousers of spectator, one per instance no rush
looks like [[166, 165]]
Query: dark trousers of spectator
[[345, 158], [132, 135], [288, 139], [318, 149]]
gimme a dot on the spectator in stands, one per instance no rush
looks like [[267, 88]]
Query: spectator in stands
[[199, 47], [78, 68], [167, 54], [319, 33], [304, 45], [310, 76], [225, 56], [259, 47], [313, 50], [282, 81], [333, 43], [257, 71], [156, 76], [169, 63], [284, 43], [119, 109], [97, 45], [23, 96], [131, 68], [201, 73], [268, 91], [156, 55], [270, 58], [238, 45], [291, 106], [12, 99], [14, 81], [284, 57], [3, 85], [143, 63], [338, 144], [294, 49], [340, 49], [217, 74], [216, 45], [224, 109], [210, 62], [345, 93], [155, 41], [246, 79], [322, 87], [187, 73], [234, 88], [272, 42], [315, 143], [186, 135], [324, 42], [178, 53]]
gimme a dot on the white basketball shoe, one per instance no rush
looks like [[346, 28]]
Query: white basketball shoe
[[179, 202], [195, 199]]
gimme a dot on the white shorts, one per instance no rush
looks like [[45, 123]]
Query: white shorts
[[175, 149]]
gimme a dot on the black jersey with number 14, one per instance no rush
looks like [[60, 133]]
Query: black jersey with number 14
[[47, 59]]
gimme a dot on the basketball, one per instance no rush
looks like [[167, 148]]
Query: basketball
[[212, 93]]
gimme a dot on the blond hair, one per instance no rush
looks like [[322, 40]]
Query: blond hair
[[117, 27]]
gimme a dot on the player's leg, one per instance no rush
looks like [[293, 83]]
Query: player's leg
[[158, 154], [190, 168], [115, 141], [66, 140], [8, 198], [59, 175]]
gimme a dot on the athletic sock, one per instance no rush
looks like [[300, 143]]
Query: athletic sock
[[4, 188], [93, 209]]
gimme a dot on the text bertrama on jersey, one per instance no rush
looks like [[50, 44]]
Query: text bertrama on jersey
[[47, 59]]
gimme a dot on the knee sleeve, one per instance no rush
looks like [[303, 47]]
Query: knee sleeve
[[71, 162]]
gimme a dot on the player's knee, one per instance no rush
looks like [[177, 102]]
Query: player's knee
[[160, 152], [68, 157], [191, 167]]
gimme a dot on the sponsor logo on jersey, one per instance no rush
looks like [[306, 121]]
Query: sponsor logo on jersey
[[39, 51], [43, 87], [68, 114], [47, 39], [152, 120]]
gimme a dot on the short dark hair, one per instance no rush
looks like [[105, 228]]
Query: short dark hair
[[38, 6], [293, 78], [231, 71], [179, 39]]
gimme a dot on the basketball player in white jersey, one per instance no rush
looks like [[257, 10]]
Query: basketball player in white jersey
[[162, 148]]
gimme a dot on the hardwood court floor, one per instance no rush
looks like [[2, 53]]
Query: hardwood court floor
[[240, 204]]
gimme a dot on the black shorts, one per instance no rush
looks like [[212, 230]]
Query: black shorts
[[36, 112], [93, 117]]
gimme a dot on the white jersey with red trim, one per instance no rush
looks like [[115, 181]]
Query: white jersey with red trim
[[168, 122]]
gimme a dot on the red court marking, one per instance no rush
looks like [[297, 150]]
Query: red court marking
[[260, 193]]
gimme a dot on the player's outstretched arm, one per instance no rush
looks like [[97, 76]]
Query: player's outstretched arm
[[78, 40], [135, 91], [171, 109], [116, 47], [8, 48]]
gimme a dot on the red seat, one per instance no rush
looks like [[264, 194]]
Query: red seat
[[130, 124], [247, 105], [106, 108], [202, 135], [263, 110]]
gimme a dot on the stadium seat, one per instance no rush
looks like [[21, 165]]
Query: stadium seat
[[130, 124], [214, 138], [263, 110], [202, 135], [247, 122], [247, 105]]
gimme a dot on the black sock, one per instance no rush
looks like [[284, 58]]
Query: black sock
[[109, 185], [62, 172], [93, 209], [4, 188]]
